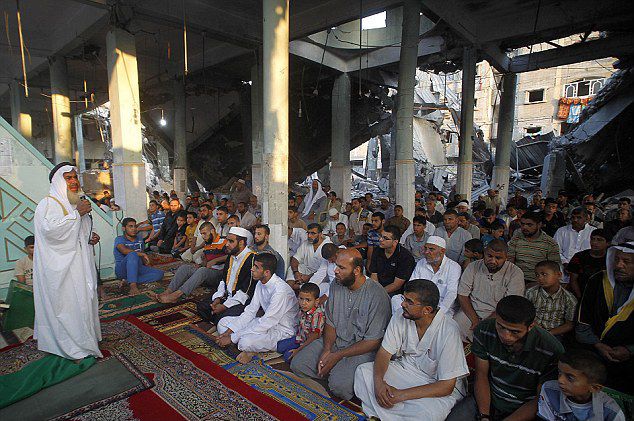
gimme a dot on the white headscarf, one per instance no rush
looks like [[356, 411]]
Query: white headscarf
[[609, 263], [298, 236], [59, 188], [312, 197]]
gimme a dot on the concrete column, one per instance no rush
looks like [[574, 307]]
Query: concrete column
[[128, 169], [340, 171], [275, 121], [506, 121], [79, 138], [20, 116], [62, 137], [257, 138], [371, 159], [405, 169], [465, 156], [180, 140]]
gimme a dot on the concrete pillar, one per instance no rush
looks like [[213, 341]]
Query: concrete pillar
[[465, 155], [20, 116], [275, 121], [371, 158], [79, 138], [62, 137], [180, 140], [257, 138], [506, 121], [340, 171], [128, 169], [405, 169]]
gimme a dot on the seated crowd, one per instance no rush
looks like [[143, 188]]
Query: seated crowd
[[382, 308]]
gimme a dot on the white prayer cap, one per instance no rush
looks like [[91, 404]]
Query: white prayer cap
[[625, 247], [240, 232], [462, 203], [438, 241], [387, 199], [333, 211], [242, 181]]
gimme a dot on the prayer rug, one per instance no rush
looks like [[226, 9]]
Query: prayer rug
[[188, 385], [171, 318], [124, 305], [109, 380]]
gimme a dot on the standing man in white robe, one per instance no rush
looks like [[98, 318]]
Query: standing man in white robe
[[64, 273], [426, 379], [260, 334]]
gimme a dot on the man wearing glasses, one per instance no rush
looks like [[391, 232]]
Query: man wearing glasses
[[392, 264]]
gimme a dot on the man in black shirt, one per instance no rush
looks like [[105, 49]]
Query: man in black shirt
[[586, 263], [553, 219], [169, 228], [392, 264]]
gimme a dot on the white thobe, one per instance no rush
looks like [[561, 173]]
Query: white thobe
[[261, 334], [571, 242], [239, 297], [248, 220], [331, 226], [64, 279], [438, 355], [309, 259], [446, 279]]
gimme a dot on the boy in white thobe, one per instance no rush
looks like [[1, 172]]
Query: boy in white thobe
[[430, 362], [277, 299]]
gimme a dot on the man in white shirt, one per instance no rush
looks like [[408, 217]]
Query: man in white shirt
[[334, 218], [574, 237], [308, 258], [426, 379], [438, 268], [260, 334]]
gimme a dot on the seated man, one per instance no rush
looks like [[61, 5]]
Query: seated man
[[261, 245], [417, 239], [439, 269], [483, 284], [357, 312], [247, 219], [277, 299], [513, 357], [398, 219], [334, 218], [189, 277], [130, 261], [236, 287], [24, 266], [195, 252], [392, 264], [454, 235], [308, 257], [606, 319], [425, 380], [169, 228]]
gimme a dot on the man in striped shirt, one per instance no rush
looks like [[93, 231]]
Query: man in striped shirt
[[531, 245], [513, 357]]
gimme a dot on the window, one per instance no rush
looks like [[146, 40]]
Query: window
[[535, 96], [374, 21], [583, 88], [533, 131]]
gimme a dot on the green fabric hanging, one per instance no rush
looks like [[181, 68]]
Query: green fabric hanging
[[37, 375]]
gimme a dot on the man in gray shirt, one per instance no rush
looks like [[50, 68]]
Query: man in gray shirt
[[417, 239], [357, 313], [454, 235]]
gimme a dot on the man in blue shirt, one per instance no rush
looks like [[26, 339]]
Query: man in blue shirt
[[130, 261], [155, 217]]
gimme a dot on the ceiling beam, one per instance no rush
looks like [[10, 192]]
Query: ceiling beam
[[613, 46]]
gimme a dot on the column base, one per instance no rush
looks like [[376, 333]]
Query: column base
[[464, 182], [340, 181], [256, 180], [405, 187], [126, 180], [180, 183]]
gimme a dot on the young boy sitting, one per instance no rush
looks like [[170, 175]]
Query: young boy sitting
[[180, 240], [24, 266], [496, 231], [473, 250], [192, 223], [555, 306], [576, 394], [311, 323]]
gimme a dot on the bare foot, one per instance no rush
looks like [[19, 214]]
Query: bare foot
[[154, 296], [170, 298], [134, 290], [245, 357]]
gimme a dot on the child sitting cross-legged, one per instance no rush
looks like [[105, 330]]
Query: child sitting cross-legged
[[311, 323], [576, 394], [555, 306]]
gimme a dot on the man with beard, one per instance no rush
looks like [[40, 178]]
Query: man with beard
[[454, 235], [357, 312], [169, 228], [574, 237], [307, 259], [531, 245], [195, 252], [64, 272], [513, 357], [236, 287], [357, 218], [606, 316], [314, 204], [261, 245], [253, 333], [426, 379], [483, 284]]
